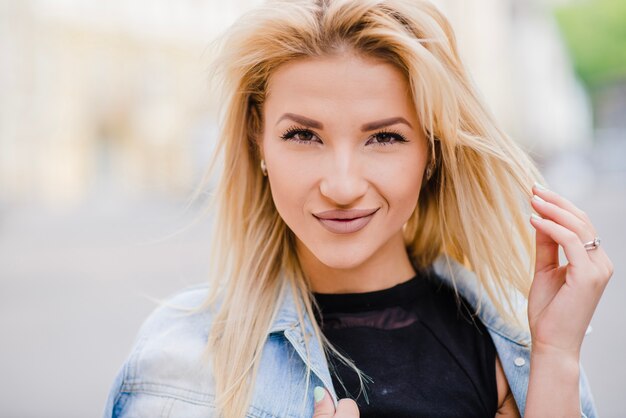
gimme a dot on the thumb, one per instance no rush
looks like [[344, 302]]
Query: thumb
[[324, 407]]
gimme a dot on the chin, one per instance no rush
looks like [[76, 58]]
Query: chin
[[341, 260]]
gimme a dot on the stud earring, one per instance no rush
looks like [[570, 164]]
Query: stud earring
[[429, 171], [263, 168]]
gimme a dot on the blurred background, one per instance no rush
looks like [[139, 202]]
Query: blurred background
[[106, 128]]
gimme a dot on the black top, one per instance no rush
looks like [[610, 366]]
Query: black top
[[424, 352]]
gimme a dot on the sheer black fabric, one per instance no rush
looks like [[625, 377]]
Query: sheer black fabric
[[426, 354]]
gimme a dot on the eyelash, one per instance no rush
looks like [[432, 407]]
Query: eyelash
[[292, 131]]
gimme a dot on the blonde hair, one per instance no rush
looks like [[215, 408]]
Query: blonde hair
[[473, 209]]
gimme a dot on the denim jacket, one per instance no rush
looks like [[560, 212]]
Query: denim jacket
[[164, 377]]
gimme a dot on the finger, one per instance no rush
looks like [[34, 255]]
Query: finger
[[547, 250], [572, 218], [347, 408], [557, 199], [551, 231], [324, 407], [563, 217]]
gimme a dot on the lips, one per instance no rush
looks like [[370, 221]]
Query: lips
[[345, 221], [344, 214]]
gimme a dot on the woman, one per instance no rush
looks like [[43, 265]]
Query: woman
[[372, 239]]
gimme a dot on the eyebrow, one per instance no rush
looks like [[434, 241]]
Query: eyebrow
[[370, 126]]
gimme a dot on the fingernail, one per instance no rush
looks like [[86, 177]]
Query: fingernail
[[536, 217], [538, 199], [540, 186], [318, 393]]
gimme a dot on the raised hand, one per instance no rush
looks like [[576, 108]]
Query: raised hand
[[563, 298], [561, 302], [324, 407]]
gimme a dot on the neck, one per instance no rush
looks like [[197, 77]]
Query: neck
[[388, 267]]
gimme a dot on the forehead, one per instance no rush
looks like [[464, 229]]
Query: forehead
[[339, 82]]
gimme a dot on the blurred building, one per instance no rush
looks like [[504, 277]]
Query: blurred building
[[103, 97], [520, 63], [110, 97]]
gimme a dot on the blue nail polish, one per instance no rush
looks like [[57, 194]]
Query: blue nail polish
[[318, 393]]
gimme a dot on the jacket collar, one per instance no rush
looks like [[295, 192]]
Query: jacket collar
[[448, 270], [469, 287], [286, 322], [451, 273]]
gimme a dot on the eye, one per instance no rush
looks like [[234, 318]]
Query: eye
[[387, 138], [301, 135]]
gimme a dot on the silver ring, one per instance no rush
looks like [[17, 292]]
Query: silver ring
[[592, 245]]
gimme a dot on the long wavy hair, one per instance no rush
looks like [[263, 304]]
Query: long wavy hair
[[473, 209]]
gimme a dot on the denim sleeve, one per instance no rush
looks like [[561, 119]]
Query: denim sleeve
[[587, 404], [161, 375], [115, 399]]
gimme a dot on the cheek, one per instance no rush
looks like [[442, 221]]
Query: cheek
[[287, 195], [400, 184], [289, 185], [403, 196]]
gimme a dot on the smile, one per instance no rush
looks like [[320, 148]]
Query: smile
[[343, 225]]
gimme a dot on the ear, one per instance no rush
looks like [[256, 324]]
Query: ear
[[255, 120], [258, 144]]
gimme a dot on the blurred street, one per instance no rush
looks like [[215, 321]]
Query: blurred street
[[75, 288]]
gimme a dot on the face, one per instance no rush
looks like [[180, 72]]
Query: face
[[341, 139]]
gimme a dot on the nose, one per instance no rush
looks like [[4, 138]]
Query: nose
[[343, 180]]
